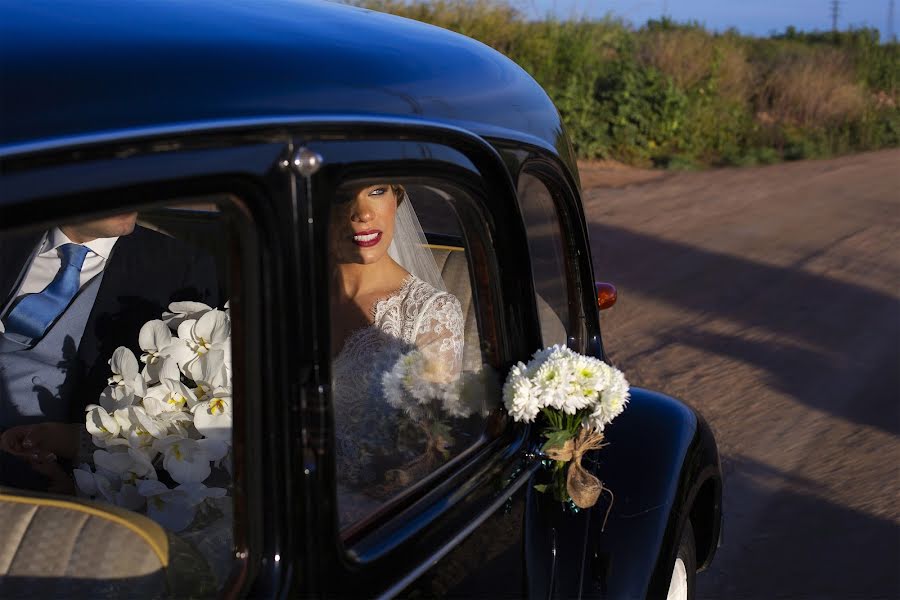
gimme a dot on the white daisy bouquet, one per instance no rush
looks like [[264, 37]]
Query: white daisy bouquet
[[431, 395], [423, 387], [578, 396], [163, 432]]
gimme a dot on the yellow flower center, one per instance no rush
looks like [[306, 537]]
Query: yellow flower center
[[216, 406]]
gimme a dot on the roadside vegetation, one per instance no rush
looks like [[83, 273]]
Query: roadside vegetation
[[676, 95]]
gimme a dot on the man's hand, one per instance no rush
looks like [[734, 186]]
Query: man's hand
[[42, 442]]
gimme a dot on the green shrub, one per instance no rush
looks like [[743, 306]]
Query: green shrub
[[642, 111], [675, 95]]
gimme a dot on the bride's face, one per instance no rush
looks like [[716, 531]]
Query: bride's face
[[363, 227]]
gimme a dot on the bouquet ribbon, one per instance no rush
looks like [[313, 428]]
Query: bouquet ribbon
[[584, 488]]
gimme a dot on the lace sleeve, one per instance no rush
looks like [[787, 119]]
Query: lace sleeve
[[439, 336]]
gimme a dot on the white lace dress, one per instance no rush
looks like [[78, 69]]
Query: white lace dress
[[369, 431]]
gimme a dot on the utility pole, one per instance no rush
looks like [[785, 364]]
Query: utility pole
[[891, 36], [835, 11]]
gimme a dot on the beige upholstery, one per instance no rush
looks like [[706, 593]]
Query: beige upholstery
[[56, 546], [454, 269]]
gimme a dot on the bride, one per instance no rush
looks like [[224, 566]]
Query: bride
[[388, 304]]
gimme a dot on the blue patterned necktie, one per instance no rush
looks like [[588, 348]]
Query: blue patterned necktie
[[35, 312]]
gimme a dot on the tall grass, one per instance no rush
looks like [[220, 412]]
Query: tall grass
[[678, 95]]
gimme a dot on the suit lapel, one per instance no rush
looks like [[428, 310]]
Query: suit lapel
[[16, 252], [117, 275]]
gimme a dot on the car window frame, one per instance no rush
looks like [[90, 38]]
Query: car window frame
[[583, 328], [103, 179], [481, 176]]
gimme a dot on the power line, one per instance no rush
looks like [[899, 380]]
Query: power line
[[835, 11]]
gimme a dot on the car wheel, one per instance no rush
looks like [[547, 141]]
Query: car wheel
[[684, 573]]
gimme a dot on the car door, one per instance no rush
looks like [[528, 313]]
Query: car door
[[461, 529], [560, 269]]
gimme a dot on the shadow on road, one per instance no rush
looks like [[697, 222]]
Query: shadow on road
[[824, 542], [820, 340]]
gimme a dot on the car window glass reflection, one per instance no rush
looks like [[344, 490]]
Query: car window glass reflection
[[115, 370], [399, 335], [545, 246]]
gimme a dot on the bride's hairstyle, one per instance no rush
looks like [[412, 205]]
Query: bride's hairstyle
[[399, 193], [409, 246]]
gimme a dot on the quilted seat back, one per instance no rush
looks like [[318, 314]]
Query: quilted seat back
[[61, 547]]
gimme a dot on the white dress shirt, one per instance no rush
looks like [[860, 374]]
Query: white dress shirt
[[46, 263]]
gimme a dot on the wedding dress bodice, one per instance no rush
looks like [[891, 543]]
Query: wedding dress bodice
[[415, 317]]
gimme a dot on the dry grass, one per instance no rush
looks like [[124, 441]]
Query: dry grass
[[684, 55], [691, 56], [736, 76], [812, 90]]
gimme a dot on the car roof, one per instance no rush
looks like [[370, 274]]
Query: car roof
[[81, 68]]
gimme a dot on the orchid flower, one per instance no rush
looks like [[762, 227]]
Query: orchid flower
[[213, 417], [102, 426], [124, 495], [139, 428], [155, 340], [188, 460], [213, 371], [117, 397], [175, 508], [170, 508], [182, 311], [85, 481], [176, 422], [125, 371], [116, 489], [199, 337], [127, 465], [169, 395], [197, 493]]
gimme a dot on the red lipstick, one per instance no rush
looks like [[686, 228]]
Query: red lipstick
[[368, 238]]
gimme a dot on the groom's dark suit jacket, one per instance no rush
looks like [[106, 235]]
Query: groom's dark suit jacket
[[146, 271]]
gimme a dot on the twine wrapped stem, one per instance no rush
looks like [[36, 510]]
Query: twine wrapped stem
[[583, 488]]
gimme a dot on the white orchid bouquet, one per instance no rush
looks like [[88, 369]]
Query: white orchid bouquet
[[163, 430], [577, 396]]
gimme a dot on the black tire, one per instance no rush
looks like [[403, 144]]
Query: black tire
[[687, 552]]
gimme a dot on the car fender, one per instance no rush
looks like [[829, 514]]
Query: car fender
[[661, 465]]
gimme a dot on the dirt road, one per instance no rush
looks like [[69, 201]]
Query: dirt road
[[769, 299]]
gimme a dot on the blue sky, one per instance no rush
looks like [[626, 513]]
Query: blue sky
[[755, 17]]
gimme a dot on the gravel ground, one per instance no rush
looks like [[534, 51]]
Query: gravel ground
[[769, 299]]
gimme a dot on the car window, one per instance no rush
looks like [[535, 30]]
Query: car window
[[116, 377], [547, 251], [411, 385]]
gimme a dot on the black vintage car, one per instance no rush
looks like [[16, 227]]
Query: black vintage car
[[232, 127]]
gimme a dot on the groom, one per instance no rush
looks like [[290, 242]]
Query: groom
[[69, 297]]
